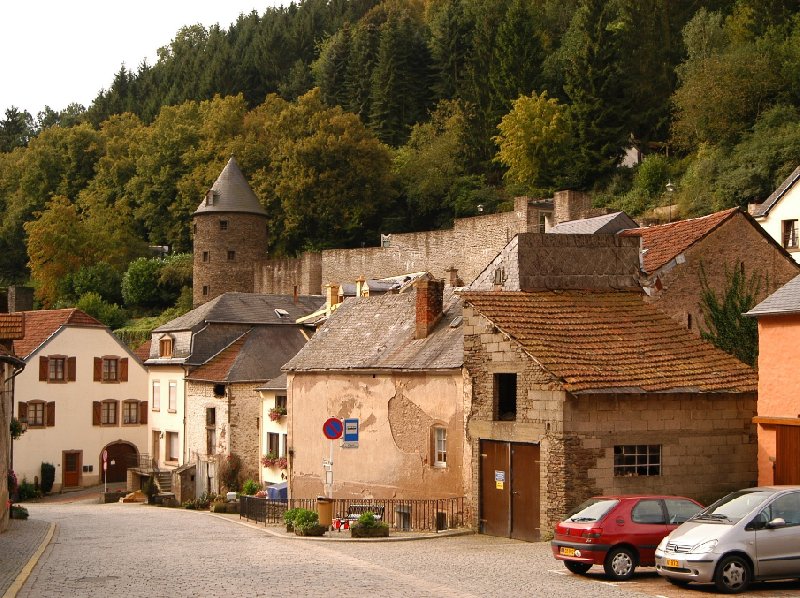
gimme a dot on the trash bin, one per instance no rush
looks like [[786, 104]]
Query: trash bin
[[325, 510]]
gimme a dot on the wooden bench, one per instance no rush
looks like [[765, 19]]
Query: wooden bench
[[355, 511]]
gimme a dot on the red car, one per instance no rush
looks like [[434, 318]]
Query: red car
[[618, 532]]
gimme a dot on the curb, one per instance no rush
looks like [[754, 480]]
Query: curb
[[12, 591], [444, 534]]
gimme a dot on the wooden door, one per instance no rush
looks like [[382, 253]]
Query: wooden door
[[121, 455], [787, 455], [495, 488], [525, 479], [71, 467], [156, 448]]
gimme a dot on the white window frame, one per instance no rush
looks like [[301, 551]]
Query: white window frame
[[156, 392], [172, 406], [439, 446]]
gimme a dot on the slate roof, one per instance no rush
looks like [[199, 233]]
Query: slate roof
[[786, 300], [40, 325], [279, 383], [378, 332], [664, 242], [245, 308], [232, 193], [789, 182], [12, 326], [256, 355], [605, 224], [611, 342]]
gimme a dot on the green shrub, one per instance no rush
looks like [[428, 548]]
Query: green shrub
[[205, 499], [230, 472], [190, 504], [27, 491], [219, 506], [305, 519], [367, 519], [110, 314], [250, 487], [48, 477], [288, 516], [368, 526], [18, 512]]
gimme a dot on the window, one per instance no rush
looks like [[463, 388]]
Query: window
[[156, 395], [211, 430], [505, 397], [110, 370], [790, 234], [108, 413], [36, 414], [280, 401], [440, 447], [173, 396], [223, 225], [206, 256], [172, 446], [499, 276], [57, 369], [637, 459], [648, 511], [786, 507], [542, 222], [165, 347], [231, 255], [273, 443], [680, 510], [130, 412], [205, 290]]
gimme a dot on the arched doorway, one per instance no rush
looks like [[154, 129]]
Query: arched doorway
[[121, 455]]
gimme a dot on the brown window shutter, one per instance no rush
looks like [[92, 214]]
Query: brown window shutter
[[143, 412], [22, 410], [123, 369], [96, 411], [72, 369], [44, 368], [51, 413], [98, 369]]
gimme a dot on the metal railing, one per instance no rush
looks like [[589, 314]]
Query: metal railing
[[142, 461], [400, 514]]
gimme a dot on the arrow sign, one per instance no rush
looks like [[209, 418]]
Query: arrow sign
[[333, 428]]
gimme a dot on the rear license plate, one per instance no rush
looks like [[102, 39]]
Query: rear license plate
[[673, 563], [566, 551]]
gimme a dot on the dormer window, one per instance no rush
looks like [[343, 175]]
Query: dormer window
[[211, 197], [165, 347], [281, 313]]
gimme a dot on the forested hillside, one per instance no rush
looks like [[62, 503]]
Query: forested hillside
[[356, 117]]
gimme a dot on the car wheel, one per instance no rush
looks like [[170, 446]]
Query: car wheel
[[576, 567], [620, 563], [733, 574]]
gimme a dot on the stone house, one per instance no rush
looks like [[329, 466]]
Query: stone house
[[83, 394], [675, 255], [778, 416], [12, 326], [392, 362], [582, 392], [779, 214], [204, 368]]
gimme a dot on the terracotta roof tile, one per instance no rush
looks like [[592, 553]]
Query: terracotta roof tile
[[42, 324], [143, 350], [12, 326], [218, 368], [611, 341], [664, 242]]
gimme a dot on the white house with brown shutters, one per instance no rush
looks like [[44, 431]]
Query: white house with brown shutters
[[82, 393]]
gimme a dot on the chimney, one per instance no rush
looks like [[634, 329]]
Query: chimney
[[430, 298], [360, 285], [453, 272], [295, 294], [570, 205], [332, 295], [20, 299]]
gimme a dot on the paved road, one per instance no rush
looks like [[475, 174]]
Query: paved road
[[135, 550]]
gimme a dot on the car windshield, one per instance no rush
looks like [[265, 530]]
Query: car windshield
[[733, 507], [593, 509]]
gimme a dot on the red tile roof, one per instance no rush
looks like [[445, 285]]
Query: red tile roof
[[218, 367], [42, 324], [611, 342], [664, 242], [12, 326], [143, 350]]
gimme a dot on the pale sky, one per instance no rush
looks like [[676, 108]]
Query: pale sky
[[55, 52]]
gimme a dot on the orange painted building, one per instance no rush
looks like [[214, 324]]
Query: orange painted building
[[778, 416]]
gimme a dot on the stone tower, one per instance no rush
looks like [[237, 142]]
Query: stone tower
[[230, 237]]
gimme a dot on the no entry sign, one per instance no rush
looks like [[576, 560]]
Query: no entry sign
[[332, 428]]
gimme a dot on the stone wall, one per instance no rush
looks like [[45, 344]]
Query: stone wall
[[244, 421], [280, 276], [736, 241], [199, 397]]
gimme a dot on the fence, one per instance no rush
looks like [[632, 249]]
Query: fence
[[400, 514]]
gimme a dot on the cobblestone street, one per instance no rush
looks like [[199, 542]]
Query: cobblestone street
[[135, 550]]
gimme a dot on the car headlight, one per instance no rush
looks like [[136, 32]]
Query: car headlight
[[706, 546]]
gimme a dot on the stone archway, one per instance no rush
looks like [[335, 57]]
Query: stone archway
[[121, 456]]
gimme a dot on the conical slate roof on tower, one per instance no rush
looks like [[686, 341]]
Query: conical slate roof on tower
[[231, 193]]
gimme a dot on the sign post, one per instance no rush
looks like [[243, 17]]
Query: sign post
[[105, 469], [332, 429]]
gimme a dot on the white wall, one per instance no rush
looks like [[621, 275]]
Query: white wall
[[788, 208], [272, 475], [163, 419], [73, 430]]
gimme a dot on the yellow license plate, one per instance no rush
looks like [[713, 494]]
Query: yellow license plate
[[673, 563], [566, 551]]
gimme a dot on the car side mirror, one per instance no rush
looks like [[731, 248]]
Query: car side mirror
[[777, 522]]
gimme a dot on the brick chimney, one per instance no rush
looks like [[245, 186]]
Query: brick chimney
[[332, 295], [360, 285], [454, 280], [430, 298], [570, 205], [20, 299]]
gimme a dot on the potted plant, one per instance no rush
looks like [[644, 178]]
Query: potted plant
[[368, 526], [269, 460], [288, 518], [306, 523], [282, 463], [276, 413]]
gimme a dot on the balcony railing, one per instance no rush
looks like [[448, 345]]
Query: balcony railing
[[400, 514]]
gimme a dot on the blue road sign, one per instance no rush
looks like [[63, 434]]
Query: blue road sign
[[332, 428], [351, 430]]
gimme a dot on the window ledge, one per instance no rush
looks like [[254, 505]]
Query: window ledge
[[172, 411]]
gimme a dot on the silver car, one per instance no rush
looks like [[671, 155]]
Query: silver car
[[749, 534]]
